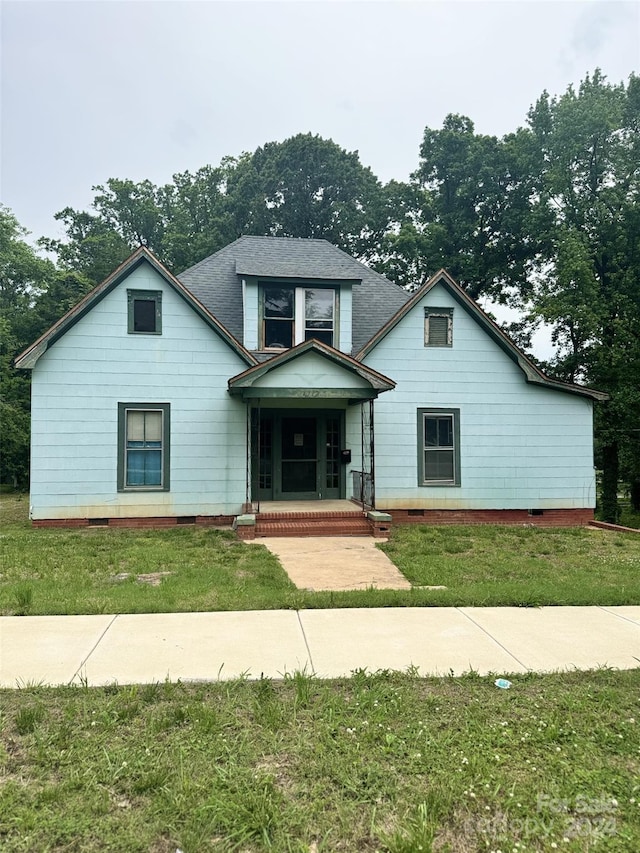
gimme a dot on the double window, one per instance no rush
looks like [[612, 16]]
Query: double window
[[291, 315], [438, 447], [144, 312], [438, 327], [143, 446]]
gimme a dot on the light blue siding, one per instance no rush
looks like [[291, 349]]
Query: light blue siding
[[522, 446], [78, 383], [311, 371]]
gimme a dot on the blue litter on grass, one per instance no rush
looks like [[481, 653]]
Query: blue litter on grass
[[502, 683]]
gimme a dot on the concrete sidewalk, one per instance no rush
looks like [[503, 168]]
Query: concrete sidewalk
[[128, 649]]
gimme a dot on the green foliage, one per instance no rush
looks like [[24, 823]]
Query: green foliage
[[93, 247], [463, 209], [305, 186], [24, 280], [310, 187], [546, 219], [586, 285]]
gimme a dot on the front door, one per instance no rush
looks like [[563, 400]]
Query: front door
[[299, 455]]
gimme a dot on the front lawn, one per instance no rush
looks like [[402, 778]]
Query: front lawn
[[378, 762], [498, 565], [99, 570]]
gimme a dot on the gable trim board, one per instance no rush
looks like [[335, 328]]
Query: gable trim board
[[30, 356], [248, 383], [518, 447], [532, 373]]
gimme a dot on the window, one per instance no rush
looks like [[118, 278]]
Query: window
[[318, 315], [438, 327], [279, 317], [143, 446], [144, 312], [291, 315], [438, 447]]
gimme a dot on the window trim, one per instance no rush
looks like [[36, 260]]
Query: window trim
[[439, 412], [438, 312], [149, 296], [299, 313], [123, 408]]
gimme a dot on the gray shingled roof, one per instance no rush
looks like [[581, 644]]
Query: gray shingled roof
[[215, 281]]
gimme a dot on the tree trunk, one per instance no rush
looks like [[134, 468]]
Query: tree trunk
[[610, 510], [635, 494]]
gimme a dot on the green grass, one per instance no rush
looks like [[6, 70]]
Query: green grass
[[379, 762], [628, 516], [99, 570], [527, 566]]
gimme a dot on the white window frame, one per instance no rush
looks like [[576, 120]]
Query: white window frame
[[299, 314], [300, 327]]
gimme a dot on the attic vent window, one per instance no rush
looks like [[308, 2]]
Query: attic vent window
[[144, 312], [438, 327]]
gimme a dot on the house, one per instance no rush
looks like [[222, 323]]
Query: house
[[281, 369]]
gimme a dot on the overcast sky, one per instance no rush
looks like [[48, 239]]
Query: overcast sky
[[93, 90]]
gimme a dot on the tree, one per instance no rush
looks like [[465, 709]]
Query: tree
[[310, 187], [305, 186], [463, 209], [23, 278], [93, 248], [585, 200]]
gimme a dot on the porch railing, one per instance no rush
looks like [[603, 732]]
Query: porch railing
[[362, 488]]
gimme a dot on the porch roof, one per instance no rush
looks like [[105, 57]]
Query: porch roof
[[311, 370]]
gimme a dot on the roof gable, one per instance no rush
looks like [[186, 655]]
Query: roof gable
[[361, 382], [532, 373], [30, 356]]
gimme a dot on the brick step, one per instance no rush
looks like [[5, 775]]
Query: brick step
[[278, 526], [310, 516]]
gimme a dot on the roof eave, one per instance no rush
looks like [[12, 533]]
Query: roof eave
[[29, 357], [244, 380], [532, 373]]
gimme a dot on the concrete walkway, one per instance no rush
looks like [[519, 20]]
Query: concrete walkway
[[128, 649], [335, 563]]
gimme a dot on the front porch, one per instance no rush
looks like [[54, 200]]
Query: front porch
[[309, 440], [312, 518]]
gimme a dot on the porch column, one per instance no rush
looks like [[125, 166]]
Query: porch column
[[367, 483], [253, 455]]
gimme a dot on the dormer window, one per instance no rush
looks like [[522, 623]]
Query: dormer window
[[279, 317], [438, 327], [291, 315]]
